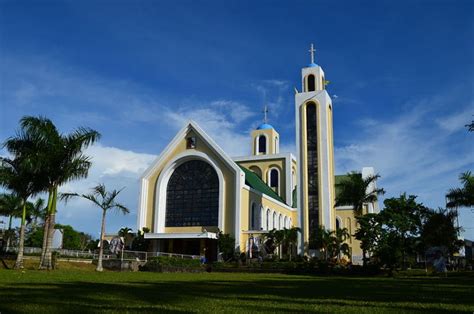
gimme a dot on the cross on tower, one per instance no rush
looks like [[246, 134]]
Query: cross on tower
[[312, 51], [265, 112]]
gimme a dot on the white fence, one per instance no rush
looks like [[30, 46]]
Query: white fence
[[124, 255]]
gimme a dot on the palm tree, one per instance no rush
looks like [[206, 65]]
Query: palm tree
[[290, 239], [124, 231], [18, 176], [463, 196], [338, 246], [355, 191], [106, 201], [59, 159], [10, 206]]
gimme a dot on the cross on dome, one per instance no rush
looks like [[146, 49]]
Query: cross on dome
[[312, 51], [265, 112]]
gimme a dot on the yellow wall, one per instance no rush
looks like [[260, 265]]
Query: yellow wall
[[348, 221], [265, 166], [272, 144], [229, 187]]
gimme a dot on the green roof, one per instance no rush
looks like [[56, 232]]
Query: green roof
[[252, 180]]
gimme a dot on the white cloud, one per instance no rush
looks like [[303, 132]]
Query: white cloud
[[412, 153], [456, 121], [222, 125]]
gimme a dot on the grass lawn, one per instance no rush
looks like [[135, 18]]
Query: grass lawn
[[78, 288]]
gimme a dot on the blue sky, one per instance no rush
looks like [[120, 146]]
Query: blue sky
[[402, 78]]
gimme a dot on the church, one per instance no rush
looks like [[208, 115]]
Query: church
[[194, 189]]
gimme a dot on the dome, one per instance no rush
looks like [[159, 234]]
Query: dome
[[312, 65], [264, 126]]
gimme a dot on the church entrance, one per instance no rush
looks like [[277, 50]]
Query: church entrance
[[197, 247]]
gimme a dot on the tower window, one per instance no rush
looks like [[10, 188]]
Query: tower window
[[311, 83], [262, 144]]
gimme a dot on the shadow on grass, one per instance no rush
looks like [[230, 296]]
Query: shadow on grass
[[221, 292]]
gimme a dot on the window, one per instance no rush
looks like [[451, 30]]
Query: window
[[192, 196], [254, 221], [191, 142], [268, 219], [338, 224], [274, 178], [311, 83], [312, 170], [275, 220], [262, 144]]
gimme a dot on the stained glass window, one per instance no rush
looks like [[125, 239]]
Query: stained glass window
[[312, 169], [192, 196]]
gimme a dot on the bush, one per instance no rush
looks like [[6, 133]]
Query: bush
[[172, 264]]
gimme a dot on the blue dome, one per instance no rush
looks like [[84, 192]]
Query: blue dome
[[312, 65], [264, 126]]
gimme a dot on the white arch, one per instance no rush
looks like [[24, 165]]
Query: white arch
[[285, 223], [269, 178], [267, 143], [290, 223], [160, 204], [280, 222], [275, 220]]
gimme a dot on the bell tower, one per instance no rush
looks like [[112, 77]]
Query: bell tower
[[265, 139], [314, 144]]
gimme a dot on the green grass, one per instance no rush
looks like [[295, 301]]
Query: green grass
[[79, 289]]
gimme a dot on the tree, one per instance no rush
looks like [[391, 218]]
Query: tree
[[369, 233], [463, 196], [226, 245], [139, 243], [18, 176], [357, 191], [106, 201], [402, 218], [58, 160], [124, 231], [322, 241], [337, 245], [470, 127], [10, 206], [439, 230]]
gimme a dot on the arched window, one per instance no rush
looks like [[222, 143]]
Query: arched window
[[262, 144], [275, 220], [286, 223], [280, 222], [268, 220], [277, 145], [311, 83], [256, 170], [274, 178], [252, 217], [192, 196], [312, 170], [338, 223]]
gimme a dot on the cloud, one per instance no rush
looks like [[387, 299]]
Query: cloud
[[412, 153], [456, 121], [222, 125], [117, 169]]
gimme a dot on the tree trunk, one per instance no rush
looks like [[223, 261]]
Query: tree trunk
[[364, 258], [46, 228], [19, 257], [101, 248], [45, 238], [9, 234], [47, 262]]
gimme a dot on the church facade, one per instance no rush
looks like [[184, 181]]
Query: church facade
[[194, 189]]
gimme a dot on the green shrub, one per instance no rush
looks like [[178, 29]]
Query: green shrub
[[172, 264]]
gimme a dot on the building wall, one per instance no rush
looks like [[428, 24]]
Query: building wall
[[265, 166], [250, 196], [228, 193]]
